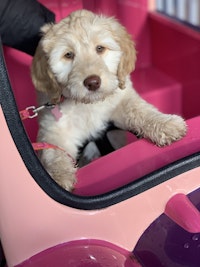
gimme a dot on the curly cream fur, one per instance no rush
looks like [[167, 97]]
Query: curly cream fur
[[86, 113]]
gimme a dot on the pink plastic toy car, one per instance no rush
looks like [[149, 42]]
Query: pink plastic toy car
[[138, 206]]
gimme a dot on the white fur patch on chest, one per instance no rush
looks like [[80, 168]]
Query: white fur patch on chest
[[79, 122]]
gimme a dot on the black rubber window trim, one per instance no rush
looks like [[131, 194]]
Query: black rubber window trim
[[53, 190]]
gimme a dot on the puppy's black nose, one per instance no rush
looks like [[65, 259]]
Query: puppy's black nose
[[92, 82]]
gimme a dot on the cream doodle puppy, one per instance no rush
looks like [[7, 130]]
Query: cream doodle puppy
[[88, 58]]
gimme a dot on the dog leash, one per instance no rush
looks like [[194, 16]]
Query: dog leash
[[32, 112]]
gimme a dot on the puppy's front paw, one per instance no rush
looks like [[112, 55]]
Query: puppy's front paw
[[65, 177], [67, 182], [60, 167], [169, 128]]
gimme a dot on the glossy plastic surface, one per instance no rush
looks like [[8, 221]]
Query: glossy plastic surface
[[168, 77], [181, 210], [176, 52], [166, 244], [84, 253]]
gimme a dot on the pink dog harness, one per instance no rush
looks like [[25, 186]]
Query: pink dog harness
[[44, 145], [32, 112]]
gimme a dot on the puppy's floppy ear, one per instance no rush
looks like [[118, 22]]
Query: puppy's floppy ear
[[128, 58], [42, 76]]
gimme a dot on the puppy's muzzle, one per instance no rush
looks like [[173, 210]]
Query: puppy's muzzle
[[92, 83]]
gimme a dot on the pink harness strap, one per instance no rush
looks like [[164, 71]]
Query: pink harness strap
[[43, 145], [31, 112]]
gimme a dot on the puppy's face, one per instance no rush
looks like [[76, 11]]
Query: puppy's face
[[84, 57]]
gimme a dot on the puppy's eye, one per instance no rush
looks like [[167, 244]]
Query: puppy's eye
[[100, 49], [69, 55]]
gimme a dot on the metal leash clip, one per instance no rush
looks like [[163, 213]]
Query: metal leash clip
[[33, 111]]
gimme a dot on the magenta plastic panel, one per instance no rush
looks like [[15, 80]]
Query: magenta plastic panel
[[85, 253]]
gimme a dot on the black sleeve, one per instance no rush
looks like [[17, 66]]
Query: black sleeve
[[20, 23]]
